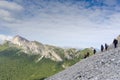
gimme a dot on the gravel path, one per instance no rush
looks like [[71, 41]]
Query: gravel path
[[102, 66]]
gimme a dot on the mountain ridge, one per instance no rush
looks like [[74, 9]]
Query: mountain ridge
[[44, 50]]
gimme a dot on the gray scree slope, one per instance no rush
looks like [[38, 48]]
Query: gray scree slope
[[102, 66]]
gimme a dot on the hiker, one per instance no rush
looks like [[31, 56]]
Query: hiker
[[115, 42], [94, 51], [106, 46], [87, 55], [102, 48]]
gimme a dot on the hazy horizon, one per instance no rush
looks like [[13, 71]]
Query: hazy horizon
[[64, 23]]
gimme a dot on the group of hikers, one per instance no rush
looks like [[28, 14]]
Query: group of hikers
[[103, 48], [115, 43]]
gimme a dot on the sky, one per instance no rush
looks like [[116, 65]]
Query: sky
[[64, 23]]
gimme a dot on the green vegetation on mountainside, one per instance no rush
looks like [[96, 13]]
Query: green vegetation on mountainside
[[16, 65]]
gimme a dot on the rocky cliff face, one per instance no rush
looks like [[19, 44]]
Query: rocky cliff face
[[102, 66], [29, 46], [36, 48], [47, 51]]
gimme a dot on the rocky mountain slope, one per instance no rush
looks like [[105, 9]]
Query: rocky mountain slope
[[102, 66], [52, 52]]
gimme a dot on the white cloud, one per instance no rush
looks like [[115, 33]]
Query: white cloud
[[8, 10], [4, 37], [4, 13], [6, 16], [10, 5]]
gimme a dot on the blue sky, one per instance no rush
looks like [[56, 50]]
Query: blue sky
[[65, 23]]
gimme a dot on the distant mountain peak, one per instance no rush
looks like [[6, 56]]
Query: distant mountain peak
[[19, 40], [47, 51], [18, 37], [36, 48]]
